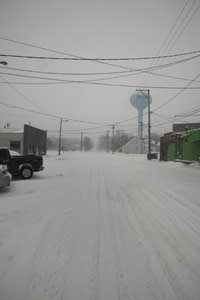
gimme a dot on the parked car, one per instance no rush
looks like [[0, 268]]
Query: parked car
[[23, 165], [5, 177]]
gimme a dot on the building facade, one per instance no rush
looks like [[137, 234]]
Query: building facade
[[181, 146], [31, 140], [134, 146], [180, 127]]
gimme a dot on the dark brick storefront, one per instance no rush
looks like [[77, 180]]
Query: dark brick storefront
[[35, 140]]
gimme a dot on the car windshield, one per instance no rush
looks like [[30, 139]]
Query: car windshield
[[14, 153]]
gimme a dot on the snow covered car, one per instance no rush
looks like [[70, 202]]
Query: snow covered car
[[5, 177]]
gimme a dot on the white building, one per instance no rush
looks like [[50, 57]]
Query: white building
[[30, 140], [134, 146], [12, 139]]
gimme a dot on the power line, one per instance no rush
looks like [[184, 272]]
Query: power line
[[177, 26], [171, 29], [192, 80], [93, 81], [194, 110], [29, 110], [177, 94], [130, 73], [48, 114], [57, 117], [87, 129], [170, 33], [126, 120], [161, 116], [170, 76], [97, 83], [100, 58], [63, 81], [169, 122], [59, 52], [148, 72], [185, 25], [27, 99], [156, 67], [68, 73]]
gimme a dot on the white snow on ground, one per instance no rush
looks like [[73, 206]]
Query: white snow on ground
[[102, 227]]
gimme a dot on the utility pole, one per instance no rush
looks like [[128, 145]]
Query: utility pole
[[81, 141], [149, 124], [113, 134], [143, 91], [60, 132], [107, 141]]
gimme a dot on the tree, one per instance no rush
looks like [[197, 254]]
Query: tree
[[87, 144], [120, 138], [104, 142], [7, 125]]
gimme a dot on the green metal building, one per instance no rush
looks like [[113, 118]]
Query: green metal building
[[181, 146]]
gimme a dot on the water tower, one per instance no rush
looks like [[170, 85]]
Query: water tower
[[140, 101]]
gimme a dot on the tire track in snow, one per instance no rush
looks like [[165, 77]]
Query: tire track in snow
[[179, 233], [50, 260], [95, 295], [156, 233], [142, 259], [154, 273], [119, 272]]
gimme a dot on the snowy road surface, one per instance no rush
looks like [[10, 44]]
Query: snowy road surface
[[102, 227]]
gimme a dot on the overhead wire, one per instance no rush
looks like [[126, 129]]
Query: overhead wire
[[66, 73], [179, 117], [50, 115], [170, 32], [188, 21], [99, 58], [192, 111], [57, 117], [172, 28], [177, 94], [96, 82], [130, 73], [59, 52], [27, 99]]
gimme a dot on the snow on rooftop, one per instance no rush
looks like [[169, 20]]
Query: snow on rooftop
[[11, 130]]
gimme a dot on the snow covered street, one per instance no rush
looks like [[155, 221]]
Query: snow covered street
[[97, 226]]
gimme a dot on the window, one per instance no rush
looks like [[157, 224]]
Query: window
[[15, 146]]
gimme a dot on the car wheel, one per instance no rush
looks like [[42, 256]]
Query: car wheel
[[26, 173]]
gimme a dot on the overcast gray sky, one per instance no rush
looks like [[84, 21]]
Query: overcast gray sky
[[91, 28]]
